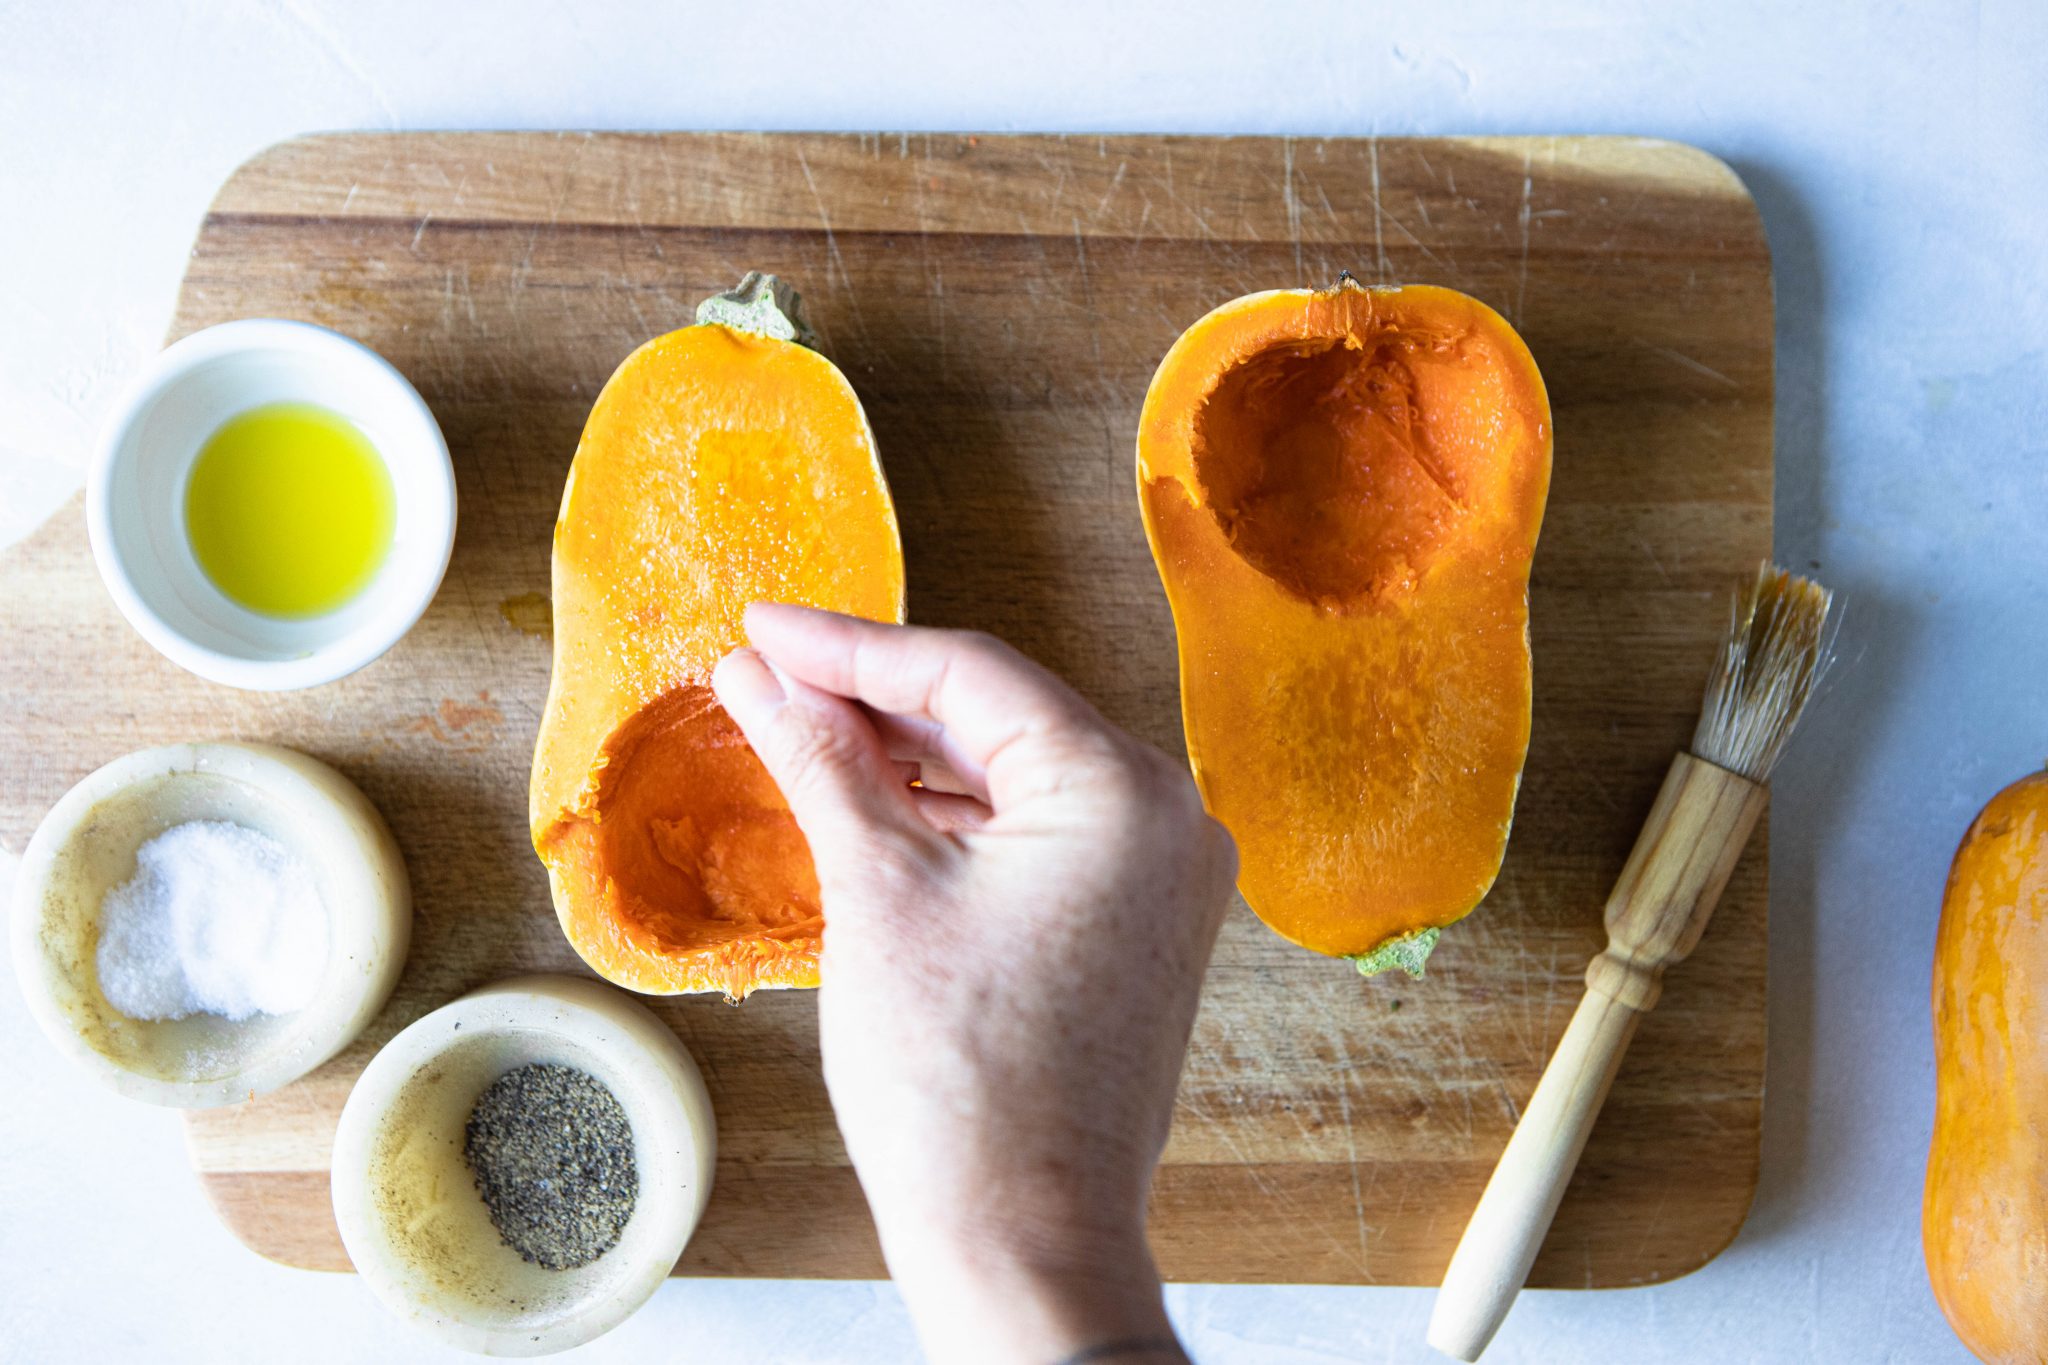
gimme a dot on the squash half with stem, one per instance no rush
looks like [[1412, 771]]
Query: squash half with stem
[[722, 464], [1343, 489]]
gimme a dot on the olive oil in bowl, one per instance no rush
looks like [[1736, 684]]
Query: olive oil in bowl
[[289, 510]]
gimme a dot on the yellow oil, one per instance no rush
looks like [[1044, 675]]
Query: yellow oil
[[289, 510]]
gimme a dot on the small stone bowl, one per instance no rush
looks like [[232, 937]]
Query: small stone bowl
[[406, 1201], [86, 846]]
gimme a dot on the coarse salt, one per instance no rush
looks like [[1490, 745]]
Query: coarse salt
[[218, 919]]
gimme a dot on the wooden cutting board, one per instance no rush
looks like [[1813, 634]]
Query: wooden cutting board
[[1000, 302]]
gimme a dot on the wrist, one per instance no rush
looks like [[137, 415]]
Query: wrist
[[993, 1297]]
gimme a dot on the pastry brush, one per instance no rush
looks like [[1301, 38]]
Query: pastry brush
[[1776, 650]]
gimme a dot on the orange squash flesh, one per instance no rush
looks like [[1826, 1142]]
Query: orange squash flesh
[[718, 468], [1984, 1220], [1343, 490]]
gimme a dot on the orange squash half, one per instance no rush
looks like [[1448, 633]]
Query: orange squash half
[[722, 464], [1343, 490], [1984, 1216]]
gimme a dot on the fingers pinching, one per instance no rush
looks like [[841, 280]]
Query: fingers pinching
[[841, 785], [994, 706]]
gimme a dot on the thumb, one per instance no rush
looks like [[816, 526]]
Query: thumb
[[824, 754]]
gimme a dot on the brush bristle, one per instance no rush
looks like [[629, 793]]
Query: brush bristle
[[1778, 646]]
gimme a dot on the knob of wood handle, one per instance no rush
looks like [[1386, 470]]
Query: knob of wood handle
[[1513, 1217], [1689, 846]]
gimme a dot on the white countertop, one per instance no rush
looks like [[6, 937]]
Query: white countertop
[[1900, 153]]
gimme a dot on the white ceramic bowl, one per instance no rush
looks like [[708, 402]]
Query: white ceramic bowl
[[86, 846], [135, 501], [407, 1204]]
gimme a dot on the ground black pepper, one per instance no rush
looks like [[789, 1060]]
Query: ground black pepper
[[552, 1154]]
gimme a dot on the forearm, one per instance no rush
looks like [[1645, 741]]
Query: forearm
[[979, 1302]]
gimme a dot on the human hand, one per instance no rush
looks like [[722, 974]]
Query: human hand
[[1013, 953]]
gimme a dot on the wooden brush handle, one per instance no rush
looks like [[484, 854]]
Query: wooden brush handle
[[1501, 1241], [1681, 861]]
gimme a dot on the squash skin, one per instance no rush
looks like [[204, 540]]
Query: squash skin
[[717, 468], [1984, 1220], [1342, 490]]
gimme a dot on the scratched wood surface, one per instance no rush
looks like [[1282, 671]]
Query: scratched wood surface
[[1000, 304]]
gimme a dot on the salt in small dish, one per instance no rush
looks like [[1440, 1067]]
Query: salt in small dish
[[86, 846]]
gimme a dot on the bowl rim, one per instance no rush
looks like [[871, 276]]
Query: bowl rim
[[314, 792], [337, 658], [589, 1014]]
